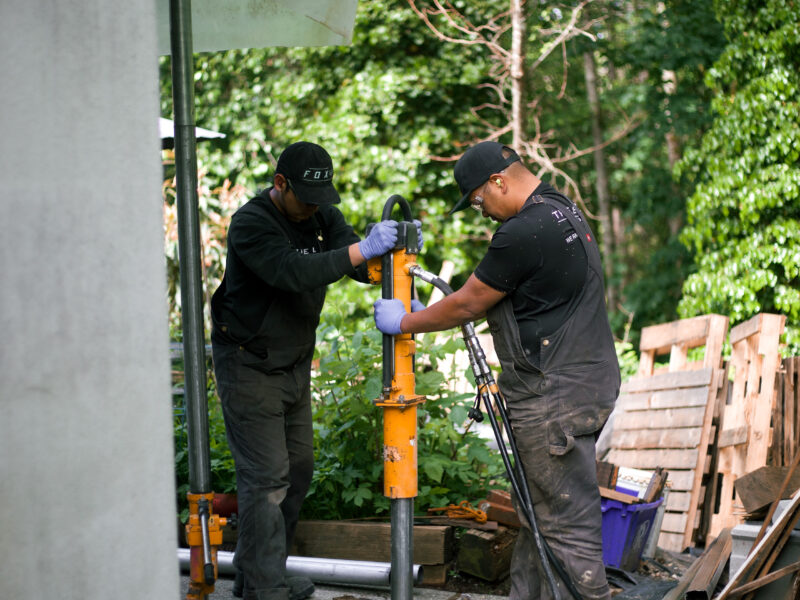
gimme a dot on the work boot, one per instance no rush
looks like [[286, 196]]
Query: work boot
[[299, 587], [238, 584]]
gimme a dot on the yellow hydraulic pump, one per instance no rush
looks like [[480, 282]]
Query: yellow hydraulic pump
[[203, 543]]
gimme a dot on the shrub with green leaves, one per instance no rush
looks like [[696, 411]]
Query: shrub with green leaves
[[454, 463]]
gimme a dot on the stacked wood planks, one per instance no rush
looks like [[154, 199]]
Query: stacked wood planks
[[667, 418], [708, 423]]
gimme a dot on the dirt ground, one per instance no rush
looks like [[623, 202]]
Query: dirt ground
[[650, 581]]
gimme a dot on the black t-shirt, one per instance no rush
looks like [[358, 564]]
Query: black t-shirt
[[537, 259]]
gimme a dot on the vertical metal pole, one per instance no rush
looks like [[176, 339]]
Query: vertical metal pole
[[402, 574], [189, 245]]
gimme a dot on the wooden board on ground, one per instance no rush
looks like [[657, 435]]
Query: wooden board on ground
[[745, 421], [433, 544], [668, 417]]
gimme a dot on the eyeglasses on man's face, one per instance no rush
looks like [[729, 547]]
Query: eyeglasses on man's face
[[477, 200]]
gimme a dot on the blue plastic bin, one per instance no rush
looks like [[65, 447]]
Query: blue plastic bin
[[625, 531]]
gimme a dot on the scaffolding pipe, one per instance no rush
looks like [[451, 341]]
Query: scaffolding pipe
[[332, 571], [189, 254]]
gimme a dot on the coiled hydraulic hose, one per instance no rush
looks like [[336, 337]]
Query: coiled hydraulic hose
[[486, 384]]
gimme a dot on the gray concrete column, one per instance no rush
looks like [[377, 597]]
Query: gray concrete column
[[87, 502]]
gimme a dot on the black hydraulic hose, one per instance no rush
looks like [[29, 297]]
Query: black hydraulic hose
[[387, 293], [516, 473], [387, 287]]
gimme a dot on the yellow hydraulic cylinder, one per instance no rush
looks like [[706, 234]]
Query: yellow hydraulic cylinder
[[399, 402]]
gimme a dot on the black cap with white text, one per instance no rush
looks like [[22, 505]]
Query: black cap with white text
[[309, 169]]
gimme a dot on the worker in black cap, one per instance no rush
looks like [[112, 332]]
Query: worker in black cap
[[541, 288], [285, 246]]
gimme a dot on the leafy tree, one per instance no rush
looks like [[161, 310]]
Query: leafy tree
[[654, 56], [385, 107], [744, 217]]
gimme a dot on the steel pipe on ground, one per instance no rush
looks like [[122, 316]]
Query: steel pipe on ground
[[320, 570]]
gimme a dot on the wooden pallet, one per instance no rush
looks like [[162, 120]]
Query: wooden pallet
[[666, 418], [745, 435], [667, 422]]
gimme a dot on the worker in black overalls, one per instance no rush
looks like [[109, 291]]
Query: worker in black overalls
[[285, 246], [540, 286]]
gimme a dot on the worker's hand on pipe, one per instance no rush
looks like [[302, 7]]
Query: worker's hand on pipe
[[420, 239], [380, 240], [389, 314], [416, 305]]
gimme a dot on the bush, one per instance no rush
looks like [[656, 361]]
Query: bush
[[454, 464]]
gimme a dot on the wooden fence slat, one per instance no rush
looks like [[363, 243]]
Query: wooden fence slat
[[668, 381], [671, 417], [650, 459], [685, 397], [685, 437]]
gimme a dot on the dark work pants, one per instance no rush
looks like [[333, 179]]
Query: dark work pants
[[270, 434], [567, 509]]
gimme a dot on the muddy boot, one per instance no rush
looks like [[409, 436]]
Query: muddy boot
[[299, 587]]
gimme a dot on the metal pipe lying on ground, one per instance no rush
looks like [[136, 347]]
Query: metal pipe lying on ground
[[320, 570]]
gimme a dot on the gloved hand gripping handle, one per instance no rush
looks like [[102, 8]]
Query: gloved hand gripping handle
[[405, 239]]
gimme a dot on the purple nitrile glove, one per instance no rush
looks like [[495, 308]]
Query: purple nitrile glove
[[420, 239], [380, 240], [388, 315], [416, 305]]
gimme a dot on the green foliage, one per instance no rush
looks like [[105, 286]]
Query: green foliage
[[661, 52], [628, 359], [744, 217], [453, 464], [383, 107]]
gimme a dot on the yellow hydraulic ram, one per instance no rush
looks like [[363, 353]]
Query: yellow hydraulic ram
[[203, 534], [399, 401]]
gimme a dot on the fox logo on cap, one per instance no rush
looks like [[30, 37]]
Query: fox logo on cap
[[317, 174]]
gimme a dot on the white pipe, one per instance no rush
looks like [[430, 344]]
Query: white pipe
[[319, 570]]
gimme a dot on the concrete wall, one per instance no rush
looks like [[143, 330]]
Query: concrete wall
[[87, 505]]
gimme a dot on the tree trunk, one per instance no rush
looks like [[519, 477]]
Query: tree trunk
[[518, 35], [606, 231], [673, 143]]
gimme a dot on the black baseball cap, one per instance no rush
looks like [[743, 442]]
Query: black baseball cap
[[476, 166], [309, 169]]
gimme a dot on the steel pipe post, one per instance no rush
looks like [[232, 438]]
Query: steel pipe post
[[402, 548], [189, 254]]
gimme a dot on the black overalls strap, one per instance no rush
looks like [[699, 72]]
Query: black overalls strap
[[577, 379]]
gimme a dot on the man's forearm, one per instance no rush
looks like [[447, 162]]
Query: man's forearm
[[447, 313]]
